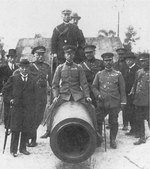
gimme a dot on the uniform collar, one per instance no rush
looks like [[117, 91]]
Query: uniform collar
[[131, 66], [69, 63]]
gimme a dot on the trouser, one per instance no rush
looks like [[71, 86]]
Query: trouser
[[15, 140], [60, 101], [32, 136], [113, 120], [142, 113]]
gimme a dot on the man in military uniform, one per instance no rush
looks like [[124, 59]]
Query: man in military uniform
[[70, 84], [65, 34], [130, 60], [91, 66], [140, 91], [109, 89], [121, 66], [79, 56], [42, 69]]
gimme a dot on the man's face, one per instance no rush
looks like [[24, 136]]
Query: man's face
[[129, 62], [75, 21], [144, 63], [24, 70], [66, 17], [108, 63], [69, 56], [90, 55], [121, 56], [39, 56], [11, 59]]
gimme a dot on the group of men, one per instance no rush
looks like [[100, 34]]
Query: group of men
[[80, 77]]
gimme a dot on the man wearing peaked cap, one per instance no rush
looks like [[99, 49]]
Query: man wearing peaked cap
[[66, 11], [129, 112], [140, 92], [43, 72], [65, 34], [109, 89], [122, 67]]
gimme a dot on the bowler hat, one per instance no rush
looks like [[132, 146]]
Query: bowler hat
[[39, 49], [12, 53], [107, 56], [66, 11], [24, 62], [121, 50], [68, 48], [89, 48], [75, 15], [144, 56], [130, 55]]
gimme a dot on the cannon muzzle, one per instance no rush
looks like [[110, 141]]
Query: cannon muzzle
[[73, 137]]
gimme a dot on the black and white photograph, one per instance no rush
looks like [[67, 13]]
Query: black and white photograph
[[74, 84]]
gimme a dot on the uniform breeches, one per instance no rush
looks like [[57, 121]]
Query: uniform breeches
[[142, 113], [113, 120]]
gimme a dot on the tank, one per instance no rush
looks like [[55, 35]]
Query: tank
[[73, 137]]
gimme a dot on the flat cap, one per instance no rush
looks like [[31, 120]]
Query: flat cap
[[121, 50], [130, 55], [107, 56], [144, 56], [68, 48], [66, 11], [39, 49], [24, 62], [75, 15], [89, 48]]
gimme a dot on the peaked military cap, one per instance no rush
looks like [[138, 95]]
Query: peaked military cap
[[75, 15], [12, 53], [107, 56], [24, 62], [89, 48], [68, 48], [39, 49], [130, 55], [144, 56], [66, 11], [121, 50]]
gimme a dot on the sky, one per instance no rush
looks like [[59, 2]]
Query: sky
[[25, 18]]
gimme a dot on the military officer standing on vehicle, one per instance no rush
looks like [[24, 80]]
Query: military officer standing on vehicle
[[42, 69], [109, 89], [79, 56], [91, 66], [65, 34], [121, 66], [140, 92]]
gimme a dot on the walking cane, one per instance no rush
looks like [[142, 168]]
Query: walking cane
[[105, 135]]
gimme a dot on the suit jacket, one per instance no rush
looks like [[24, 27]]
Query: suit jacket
[[70, 80], [23, 108], [65, 34], [141, 88], [111, 86]]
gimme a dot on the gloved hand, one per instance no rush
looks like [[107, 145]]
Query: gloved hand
[[100, 97], [88, 99], [55, 99]]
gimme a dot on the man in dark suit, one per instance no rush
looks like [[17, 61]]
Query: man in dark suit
[[130, 60], [6, 71], [109, 89], [70, 84], [140, 92], [20, 92], [121, 66], [65, 34]]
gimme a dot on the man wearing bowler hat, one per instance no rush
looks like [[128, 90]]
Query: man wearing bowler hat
[[65, 34], [140, 93], [20, 92], [129, 112], [121, 66], [109, 89]]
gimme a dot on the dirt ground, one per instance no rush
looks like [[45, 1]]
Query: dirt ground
[[126, 156]]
